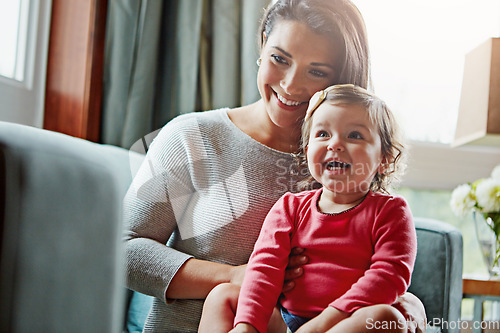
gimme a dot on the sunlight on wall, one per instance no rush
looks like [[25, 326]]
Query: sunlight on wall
[[418, 50]]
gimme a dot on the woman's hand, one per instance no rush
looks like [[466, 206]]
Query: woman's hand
[[413, 310], [294, 269]]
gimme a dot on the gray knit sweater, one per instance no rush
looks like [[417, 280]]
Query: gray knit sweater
[[204, 190]]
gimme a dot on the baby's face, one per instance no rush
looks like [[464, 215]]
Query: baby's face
[[344, 150]]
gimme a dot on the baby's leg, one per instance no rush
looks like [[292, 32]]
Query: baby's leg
[[376, 318], [219, 309], [276, 323]]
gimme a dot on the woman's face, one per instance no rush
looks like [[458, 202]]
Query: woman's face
[[296, 62]]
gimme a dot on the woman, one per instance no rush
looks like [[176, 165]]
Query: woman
[[210, 178]]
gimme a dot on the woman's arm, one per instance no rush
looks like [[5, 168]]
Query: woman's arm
[[196, 278], [154, 205]]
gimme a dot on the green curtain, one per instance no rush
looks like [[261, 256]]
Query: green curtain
[[168, 57]]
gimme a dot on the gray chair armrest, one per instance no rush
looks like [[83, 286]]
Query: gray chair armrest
[[61, 264], [437, 277]]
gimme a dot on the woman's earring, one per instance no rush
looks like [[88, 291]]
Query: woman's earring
[[259, 61]]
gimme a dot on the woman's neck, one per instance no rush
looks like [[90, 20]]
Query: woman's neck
[[253, 120]]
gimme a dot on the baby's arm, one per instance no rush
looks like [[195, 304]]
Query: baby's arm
[[244, 328], [265, 272]]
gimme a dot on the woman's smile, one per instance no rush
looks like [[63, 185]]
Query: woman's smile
[[288, 104]]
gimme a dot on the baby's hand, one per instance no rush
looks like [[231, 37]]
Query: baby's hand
[[243, 328], [328, 318]]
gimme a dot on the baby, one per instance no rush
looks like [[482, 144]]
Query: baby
[[360, 241]]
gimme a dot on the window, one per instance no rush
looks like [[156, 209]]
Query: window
[[24, 26], [418, 50], [13, 40]]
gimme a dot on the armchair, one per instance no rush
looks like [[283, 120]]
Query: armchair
[[60, 229], [437, 276]]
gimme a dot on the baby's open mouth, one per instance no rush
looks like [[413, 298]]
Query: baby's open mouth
[[337, 165]]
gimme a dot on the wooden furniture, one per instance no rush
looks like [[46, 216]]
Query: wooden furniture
[[480, 291], [75, 68]]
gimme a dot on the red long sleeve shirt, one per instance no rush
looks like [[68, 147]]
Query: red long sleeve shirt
[[360, 257]]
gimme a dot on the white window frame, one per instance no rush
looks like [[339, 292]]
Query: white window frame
[[23, 20], [23, 101]]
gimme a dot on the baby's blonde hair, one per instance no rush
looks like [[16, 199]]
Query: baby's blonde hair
[[392, 146]]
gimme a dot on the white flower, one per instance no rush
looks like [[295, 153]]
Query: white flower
[[488, 195], [495, 174], [462, 201]]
